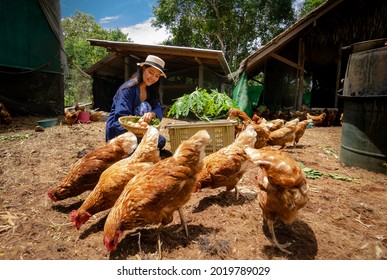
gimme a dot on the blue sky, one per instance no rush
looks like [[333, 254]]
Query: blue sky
[[132, 17]]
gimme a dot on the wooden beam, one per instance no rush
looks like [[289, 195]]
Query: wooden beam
[[286, 61], [198, 60], [300, 73]]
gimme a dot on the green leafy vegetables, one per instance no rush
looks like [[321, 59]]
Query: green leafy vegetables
[[315, 174], [154, 121], [205, 106]]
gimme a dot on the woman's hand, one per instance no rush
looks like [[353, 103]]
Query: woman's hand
[[147, 117]]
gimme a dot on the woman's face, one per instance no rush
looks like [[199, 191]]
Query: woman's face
[[150, 75]]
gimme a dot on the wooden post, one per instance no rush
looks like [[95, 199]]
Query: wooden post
[[338, 74], [201, 76], [201, 71], [301, 61], [126, 68]]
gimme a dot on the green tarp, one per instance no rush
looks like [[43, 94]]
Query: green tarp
[[27, 40], [245, 96], [254, 93]]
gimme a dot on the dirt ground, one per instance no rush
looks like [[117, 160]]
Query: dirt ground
[[345, 218]]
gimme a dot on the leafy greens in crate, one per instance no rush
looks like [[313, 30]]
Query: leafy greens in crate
[[205, 106]]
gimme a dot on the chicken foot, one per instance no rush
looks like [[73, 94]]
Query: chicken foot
[[159, 229], [159, 245], [274, 241], [236, 193], [183, 222]]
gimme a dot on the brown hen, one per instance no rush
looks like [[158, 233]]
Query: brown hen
[[283, 188], [80, 107], [225, 167], [283, 135], [95, 116], [113, 180], [273, 124], [5, 116], [152, 196], [317, 120], [301, 115], [256, 118], [261, 130], [331, 118], [300, 130], [84, 174], [71, 118]]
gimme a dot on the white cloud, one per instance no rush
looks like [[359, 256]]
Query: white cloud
[[144, 33], [108, 19]]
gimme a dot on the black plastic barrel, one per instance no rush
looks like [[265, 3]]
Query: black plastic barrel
[[364, 127]]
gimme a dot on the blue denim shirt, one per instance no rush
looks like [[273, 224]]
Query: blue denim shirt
[[125, 101]]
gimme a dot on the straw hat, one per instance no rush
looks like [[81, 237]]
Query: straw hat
[[155, 62]]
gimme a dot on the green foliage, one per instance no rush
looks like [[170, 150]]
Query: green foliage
[[315, 174], [78, 87], [205, 106], [81, 55], [14, 137], [310, 173], [327, 150], [236, 27], [77, 29], [341, 178], [310, 5], [274, 17]]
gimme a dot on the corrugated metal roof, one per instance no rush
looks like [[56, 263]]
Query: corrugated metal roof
[[176, 58]]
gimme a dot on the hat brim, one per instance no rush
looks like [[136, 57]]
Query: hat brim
[[154, 66]]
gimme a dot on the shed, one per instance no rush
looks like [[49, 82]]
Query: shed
[[32, 59], [306, 63], [186, 69]]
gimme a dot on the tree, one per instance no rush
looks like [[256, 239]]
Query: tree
[[77, 29], [310, 5], [275, 17], [81, 55], [237, 27]]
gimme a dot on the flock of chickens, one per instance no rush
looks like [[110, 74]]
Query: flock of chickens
[[73, 117], [320, 117], [276, 132], [143, 189]]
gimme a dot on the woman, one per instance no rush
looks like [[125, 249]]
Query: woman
[[138, 97]]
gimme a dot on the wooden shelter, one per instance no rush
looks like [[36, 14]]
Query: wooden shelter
[[306, 63], [186, 69]]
